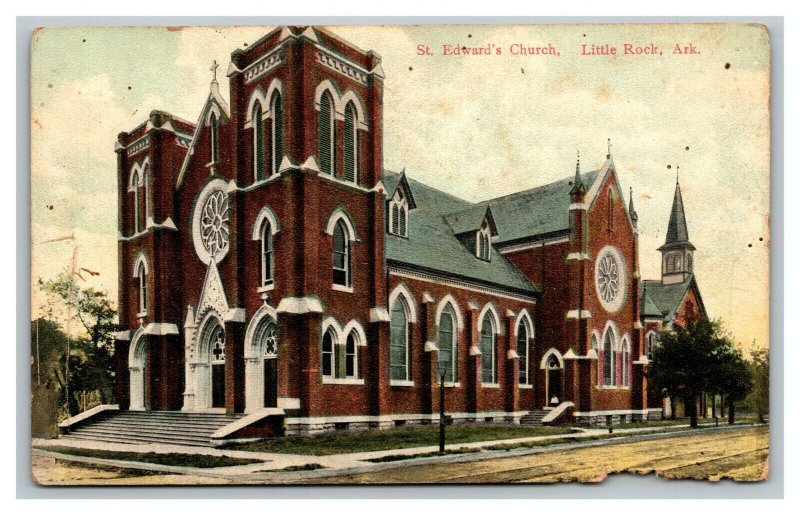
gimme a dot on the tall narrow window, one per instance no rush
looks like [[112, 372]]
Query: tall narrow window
[[651, 345], [488, 351], [328, 342], [398, 346], [625, 359], [608, 360], [596, 347], [277, 132], [144, 198], [142, 273], [350, 143], [351, 356], [258, 143], [448, 348], [136, 209], [483, 246], [213, 123], [327, 131], [266, 254], [398, 214], [341, 255], [522, 350], [610, 221]]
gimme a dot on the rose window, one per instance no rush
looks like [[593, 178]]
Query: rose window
[[214, 224], [608, 278]]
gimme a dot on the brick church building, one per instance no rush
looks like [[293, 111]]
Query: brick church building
[[271, 266]]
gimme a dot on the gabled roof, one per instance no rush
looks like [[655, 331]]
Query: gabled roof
[[648, 307], [214, 97], [533, 212], [668, 297], [432, 245], [677, 233], [471, 220], [402, 183]]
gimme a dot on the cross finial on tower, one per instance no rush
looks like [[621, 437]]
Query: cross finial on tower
[[578, 164], [677, 174], [213, 69], [608, 156]]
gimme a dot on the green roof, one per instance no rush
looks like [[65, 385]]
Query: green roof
[[649, 308], [533, 212], [667, 297], [432, 244]]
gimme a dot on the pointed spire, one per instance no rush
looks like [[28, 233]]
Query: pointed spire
[[631, 210], [577, 183], [677, 233]]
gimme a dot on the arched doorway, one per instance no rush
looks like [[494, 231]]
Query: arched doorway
[[262, 343], [212, 346], [553, 366], [137, 362]]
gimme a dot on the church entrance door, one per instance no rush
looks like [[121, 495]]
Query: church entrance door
[[270, 382], [218, 386]]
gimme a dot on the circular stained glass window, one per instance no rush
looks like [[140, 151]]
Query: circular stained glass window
[[610, 278], [215, 224]]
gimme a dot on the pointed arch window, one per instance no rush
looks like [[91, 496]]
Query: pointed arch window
[[448, 346], [610, 207], [137, 225], [608, 360], [350, 143], [267, 255], [258, 142], [488, 351], [214, 124], [276, 107], [626, 356], [144, 211], [351, 356], [141, 274], [328, 359], [398, 215], [326, 133], [523, 351], [399, 360], [484, 242], [650, 346], [341, 255]]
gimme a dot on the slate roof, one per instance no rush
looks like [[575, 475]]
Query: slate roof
[[677, 233], [666, 297], [432, 244], [533, 212], [649, 308]]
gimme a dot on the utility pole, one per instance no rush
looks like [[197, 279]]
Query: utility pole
[[442, 375]]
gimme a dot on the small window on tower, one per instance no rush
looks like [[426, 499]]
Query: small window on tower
[[483, 242], [398, 215]]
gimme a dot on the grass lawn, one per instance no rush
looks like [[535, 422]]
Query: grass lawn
[[399, 438], [683, 421], [175, 459]]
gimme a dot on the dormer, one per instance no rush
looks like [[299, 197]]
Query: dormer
[[401, 201], [475, 227]]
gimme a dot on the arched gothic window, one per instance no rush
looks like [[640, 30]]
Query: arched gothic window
[[488, 351], [399, 356], [137, 225], [258, 142], [608, 360], [328, 355], [351, 356], [448, 346], [327, 134], [341, 255], [267, 258], [523, 351], [650, 346], [350, 143], [610, 221], [277, 132], [398, 214], [483, 242], [214, 124], [141, 273]]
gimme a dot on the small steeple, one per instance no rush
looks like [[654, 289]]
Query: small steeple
[[631, 210], [578, 188], [677, 233], [677, 252]]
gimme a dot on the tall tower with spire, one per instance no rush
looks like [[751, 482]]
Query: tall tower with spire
[[677, 251]]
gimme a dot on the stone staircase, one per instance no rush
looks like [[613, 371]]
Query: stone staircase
[[533, 418], [142, 427]]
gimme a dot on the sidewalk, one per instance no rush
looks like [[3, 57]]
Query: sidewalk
[[272, 462]]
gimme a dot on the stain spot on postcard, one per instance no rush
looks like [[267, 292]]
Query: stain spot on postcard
[[727, 66], [174, 28]]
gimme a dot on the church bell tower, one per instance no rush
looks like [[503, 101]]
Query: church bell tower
[[677, 252]]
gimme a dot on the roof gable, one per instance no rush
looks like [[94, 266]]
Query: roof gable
[[214, 99], [668, 297]]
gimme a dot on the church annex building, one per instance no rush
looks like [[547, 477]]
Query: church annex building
[[272, 270]]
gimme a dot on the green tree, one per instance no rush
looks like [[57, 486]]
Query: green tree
[[91, 366], [759, 395], [698, 358], [730, 375]]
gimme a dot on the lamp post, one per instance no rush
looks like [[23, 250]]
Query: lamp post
[[442, 374]]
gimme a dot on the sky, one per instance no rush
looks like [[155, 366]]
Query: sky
[[477, 126]]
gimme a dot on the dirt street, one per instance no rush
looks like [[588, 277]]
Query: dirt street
[[741, 455]]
